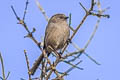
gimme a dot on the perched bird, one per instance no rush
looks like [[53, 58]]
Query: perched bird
[[56, 35]]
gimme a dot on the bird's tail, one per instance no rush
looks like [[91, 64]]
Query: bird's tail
[[36, 64]]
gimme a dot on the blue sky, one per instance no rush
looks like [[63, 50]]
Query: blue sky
[[104, 46]]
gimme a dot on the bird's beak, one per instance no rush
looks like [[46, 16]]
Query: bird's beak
[[66, 17]]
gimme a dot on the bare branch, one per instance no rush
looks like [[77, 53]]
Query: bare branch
[[70, 22], [48, 75], [3, 70], [70, 69], [30, 34], [92, 59], [42, 10], [15, 13], [7, 75], [77, 47], [83, 7], [25, 11], [27, 62], [92, 35], [73, 65]]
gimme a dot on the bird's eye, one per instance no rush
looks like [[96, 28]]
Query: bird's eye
[[61, 17]]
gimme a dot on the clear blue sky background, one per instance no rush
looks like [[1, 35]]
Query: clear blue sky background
[[104, 47]]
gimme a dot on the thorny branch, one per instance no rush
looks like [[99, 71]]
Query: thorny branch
[[48, 70]]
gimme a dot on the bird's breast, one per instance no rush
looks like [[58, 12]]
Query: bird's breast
[[57, 36]]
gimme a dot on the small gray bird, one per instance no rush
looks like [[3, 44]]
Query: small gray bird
[[56, 35]]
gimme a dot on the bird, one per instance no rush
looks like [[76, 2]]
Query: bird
[[56, 35]]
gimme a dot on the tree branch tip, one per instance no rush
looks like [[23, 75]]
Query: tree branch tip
[[83, 7], [25, 51], [15, 12], [26, 36], [25, 10], [7, 75], [108, 16], [27, 2], [11, 6], [81, 68], [80, 61], [70, 14], [33, 30]]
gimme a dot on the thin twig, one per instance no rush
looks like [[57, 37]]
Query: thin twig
[[30, 34], [27, 62], [70, 22], [15, 13], [92, 5], [77, 47], [48, 76], [70, 69], [56, 72], [7, 75], [100, 15], [92, 35], [44, 65], [73, 65], [83, 7], [69, 19], [42, 71], [3, 70], [73, 53], [36, 78], [92, 59], [25, 11], [42, 10]]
